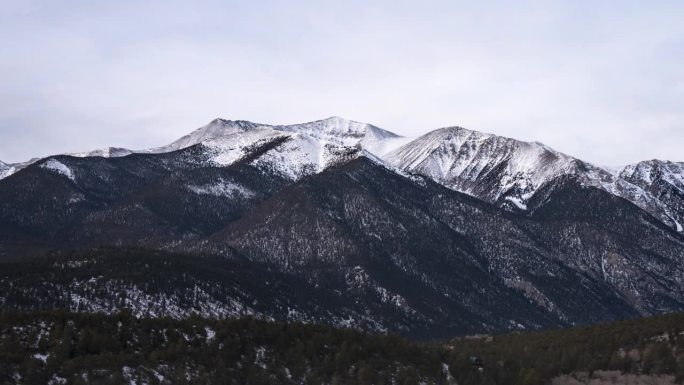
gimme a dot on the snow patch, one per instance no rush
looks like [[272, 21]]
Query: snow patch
[[517, 202], [210, 333], [222, 188], [41, 357], [58, 167]]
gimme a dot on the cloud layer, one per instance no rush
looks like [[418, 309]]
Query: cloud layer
[[601, 82]]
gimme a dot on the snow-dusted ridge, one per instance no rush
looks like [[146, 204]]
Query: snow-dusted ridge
[[7, 169], [302, 149], [508, 172], [501, 170], [310, 147], [484, 165], [106, 152], [334, 130]]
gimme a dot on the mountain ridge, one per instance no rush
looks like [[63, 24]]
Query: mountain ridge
[[500, 170], [507, 171], [388, 252], [359, 239]]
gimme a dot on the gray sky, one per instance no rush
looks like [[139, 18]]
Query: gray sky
[[600, 80]]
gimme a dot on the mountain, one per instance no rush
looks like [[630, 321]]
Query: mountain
[[7, 169], [500, 170], [334, 131], [663, 180], [4, 169], [107, 152], [303, 148], [321, 222], [355, 245], [493, 168], [508, 172], [308, 148]]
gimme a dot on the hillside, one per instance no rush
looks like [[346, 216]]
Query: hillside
[[62, 347]]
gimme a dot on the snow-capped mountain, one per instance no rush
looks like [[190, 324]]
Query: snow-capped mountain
[[297, 150], [499, 170], [107, 152], [334, 130], [490, 167], [662, 183], [357, 242], [303, 148], [7, 169], [509, 172]]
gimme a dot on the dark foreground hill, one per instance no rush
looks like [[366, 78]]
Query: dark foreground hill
[[73, 348]]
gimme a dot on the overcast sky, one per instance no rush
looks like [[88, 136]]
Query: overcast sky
[[600, 80]]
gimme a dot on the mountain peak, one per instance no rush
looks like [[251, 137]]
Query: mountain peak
[[490, 167], [240, 124], [648, 171], [336, 118]]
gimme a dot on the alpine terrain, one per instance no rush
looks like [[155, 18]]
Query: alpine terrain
[[344, 223]]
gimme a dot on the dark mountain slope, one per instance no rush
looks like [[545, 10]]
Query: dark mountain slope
[[613, 241], [360, 220], [147, 199], [363, 215], [363, 245]]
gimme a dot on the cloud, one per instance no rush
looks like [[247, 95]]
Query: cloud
[[601, 82]]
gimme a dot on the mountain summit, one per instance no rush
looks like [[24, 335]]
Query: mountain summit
[[508, 172], [334, 130]]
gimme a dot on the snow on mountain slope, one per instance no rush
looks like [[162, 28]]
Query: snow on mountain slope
[[334, 130], [58, 167], [216, 129], [302, 155], [487, 166], [5, 169], [233, 146], [508, 172], [106, 152], [343, 132], [298, 149], [648, 172], [662, 180], [308, 147], [500, 170]]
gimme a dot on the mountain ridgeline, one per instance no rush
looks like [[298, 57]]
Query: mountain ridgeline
[[343, 223]]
